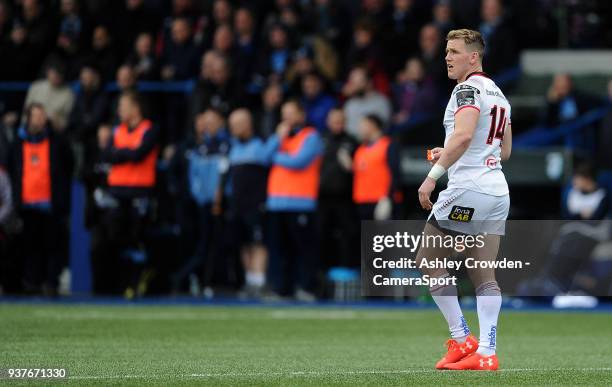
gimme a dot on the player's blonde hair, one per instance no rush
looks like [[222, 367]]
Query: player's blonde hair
[[472, 39]]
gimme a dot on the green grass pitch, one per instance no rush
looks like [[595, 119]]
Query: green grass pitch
[[267, 346]]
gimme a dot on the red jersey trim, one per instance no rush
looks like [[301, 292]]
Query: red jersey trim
[[481, 73], [467, 106]]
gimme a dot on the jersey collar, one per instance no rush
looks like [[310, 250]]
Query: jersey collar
[[481, 73]]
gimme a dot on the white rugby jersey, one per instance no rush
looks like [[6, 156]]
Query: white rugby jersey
[[479, 168]]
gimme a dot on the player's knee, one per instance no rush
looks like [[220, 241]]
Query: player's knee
[[489, 288]]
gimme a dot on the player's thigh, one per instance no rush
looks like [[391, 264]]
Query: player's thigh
[[431, 250], [483, 252], [471, 213]]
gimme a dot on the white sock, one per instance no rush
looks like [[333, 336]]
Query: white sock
[[488, 304], [255, 279], [448, 303]]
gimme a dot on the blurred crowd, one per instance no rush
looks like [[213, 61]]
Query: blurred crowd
[[224, 142]]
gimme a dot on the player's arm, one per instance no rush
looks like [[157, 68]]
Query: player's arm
[[507, 143], [466, 120], [465, 126]]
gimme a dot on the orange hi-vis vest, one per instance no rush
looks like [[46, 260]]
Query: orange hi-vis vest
[[36, 176], [371, 172], [133, 173], [295, 183]]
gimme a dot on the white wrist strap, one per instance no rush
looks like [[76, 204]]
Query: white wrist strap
[[436, 172]]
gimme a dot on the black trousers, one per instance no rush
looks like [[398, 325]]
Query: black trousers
[[338, 228], [43, 243], [117, 241], [198, 230], [292, 241]]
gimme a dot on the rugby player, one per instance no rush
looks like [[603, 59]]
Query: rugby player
[[476, 201]]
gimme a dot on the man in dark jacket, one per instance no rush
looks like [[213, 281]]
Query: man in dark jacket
[[41, 167], [89, 110], [196, 179], [337, 214]]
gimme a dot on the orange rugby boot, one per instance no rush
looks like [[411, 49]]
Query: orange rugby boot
[[457, 351], [475, 361]]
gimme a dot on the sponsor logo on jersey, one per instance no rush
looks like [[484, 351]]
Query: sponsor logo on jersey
[[491, 162], [466, 95], [461, 214]]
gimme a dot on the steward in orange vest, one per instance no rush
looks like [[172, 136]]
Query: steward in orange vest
[[293, 185], [293, 182], [376, 172], [132, 152], [41, 168]]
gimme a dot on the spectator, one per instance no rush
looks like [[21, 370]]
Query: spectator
[[336, 211], [90, 107], [143, 59], [401, 34], [196, 173], [376, 10], [249, 175], [6, 198], [413, 93], [564, 104], [6, 18], [362, 99], [88, 112], [432, 55], [376, 172], [7, 228], [569, 265], [103, 52], [25, 56], [70, 34], [276, 57], [585, 200], [314, 55], [134, 19], [179, 60], [316, 100], [132, 153], [223, 41], [366, 52], [331, 21], [38, 22], [293, 187], [40, 166], [500, 46], [246, 44], [126, 81], [222, 13], [269, 116], [604, 156], [99, 207], [443, 16], [54, 95], [6, 208], [6, 135], [216, 88]]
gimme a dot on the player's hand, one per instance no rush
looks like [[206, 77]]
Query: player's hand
[[425, 191], [436, 153]]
